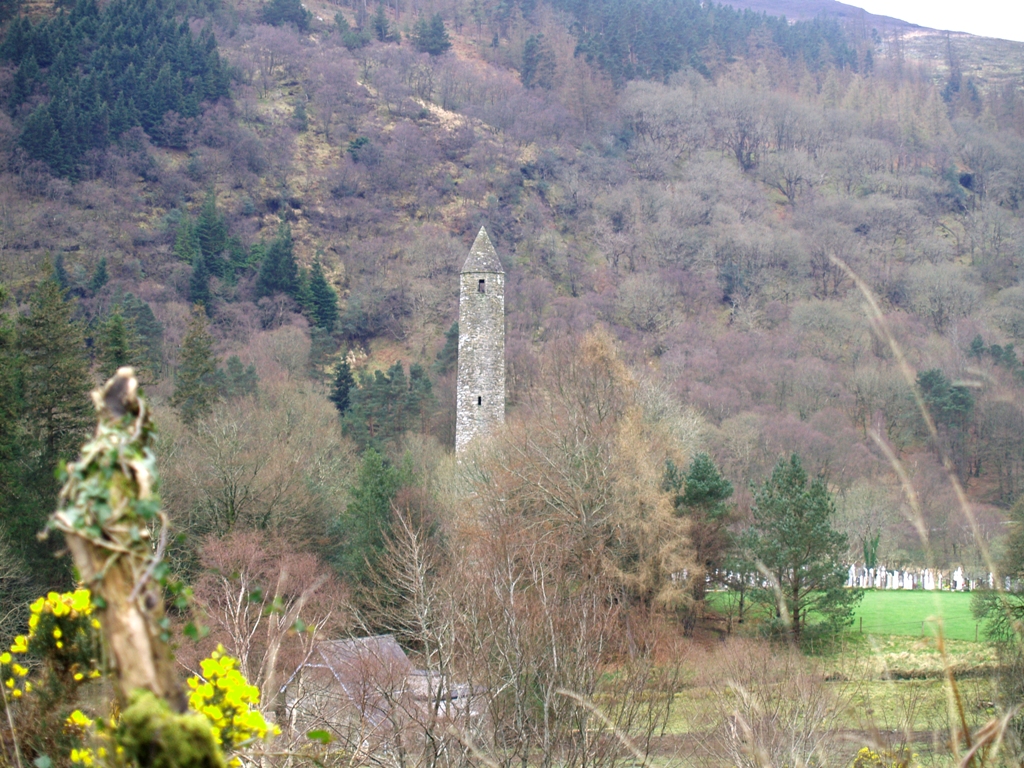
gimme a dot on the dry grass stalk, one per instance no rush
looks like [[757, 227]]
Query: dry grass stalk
[[982, 747]]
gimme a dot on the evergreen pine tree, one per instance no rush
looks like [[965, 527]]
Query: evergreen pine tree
[[12, 441], [186, 240], [100, 276], [195, 389], [322, 347], [56, 375], [952, 409], [351, 38], [977, 348], [199, 283], [22, 513], [538, 63], [37, 137], [210, 231], [430, 36], [119, 345], [24, 82], [794, 539], [278, 12], [950, 404], [278, 271], [702, 497], [59, 273], [342, 389], [386, 405], [419, 399], [449, 354], [238, 379], [324, 299], [364, 525], [57, 154], [304, 294], [150, 331], [382, 28], [56, 416], [238, 258], [121, 118]]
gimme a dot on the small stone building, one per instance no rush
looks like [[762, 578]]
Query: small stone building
[[370, 697]]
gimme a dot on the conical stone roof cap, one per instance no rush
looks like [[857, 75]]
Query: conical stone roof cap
[[482, 256]]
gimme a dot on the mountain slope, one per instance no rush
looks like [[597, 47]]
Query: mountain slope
[[805, 10], [990, 62]]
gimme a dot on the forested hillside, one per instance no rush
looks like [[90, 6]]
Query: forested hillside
[[763, 305], [264, 208]]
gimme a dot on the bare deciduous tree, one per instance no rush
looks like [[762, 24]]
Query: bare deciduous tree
[[943, 293], [275, 462], [587, 459], [267, 605]]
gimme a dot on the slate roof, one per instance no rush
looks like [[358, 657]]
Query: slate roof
[[373, 675], [353, 660], [482, 256], [368, 669]]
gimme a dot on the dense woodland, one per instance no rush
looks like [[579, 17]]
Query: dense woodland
[[264, 208]]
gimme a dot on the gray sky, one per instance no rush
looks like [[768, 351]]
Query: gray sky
[[991, 18]]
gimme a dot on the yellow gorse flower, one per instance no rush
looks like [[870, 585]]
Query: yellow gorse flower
[[82, 757], [900, 757], [71, 636], [74, 604], [81, 601], [79, 720], [229, 702]]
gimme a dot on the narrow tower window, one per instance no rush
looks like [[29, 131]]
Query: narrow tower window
[[480, 286], [479, 400]]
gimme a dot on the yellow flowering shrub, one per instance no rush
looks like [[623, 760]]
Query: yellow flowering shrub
[[97, 740], [221, 694], [886, 758], [61, 630], [229, 702]]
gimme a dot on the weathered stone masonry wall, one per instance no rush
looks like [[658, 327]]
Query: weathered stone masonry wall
[[481, 384]]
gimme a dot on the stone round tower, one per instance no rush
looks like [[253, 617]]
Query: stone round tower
[[480, 402]]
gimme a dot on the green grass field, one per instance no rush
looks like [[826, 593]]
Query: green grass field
[[899, 612], [916, 614]]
